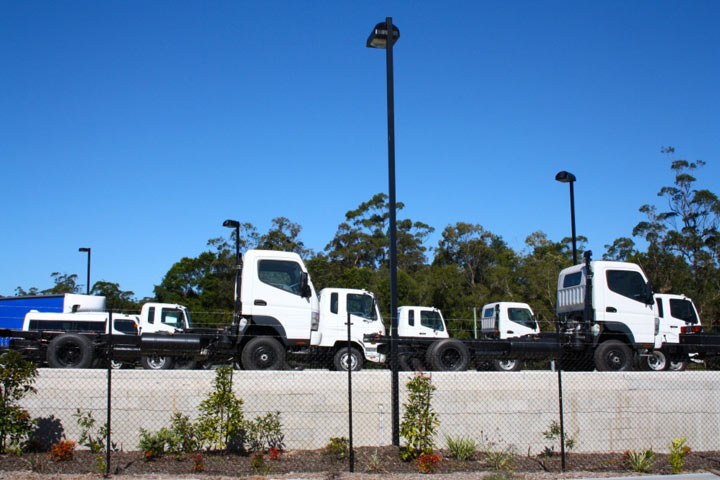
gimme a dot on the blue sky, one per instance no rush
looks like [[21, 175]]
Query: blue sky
[[135, 128]]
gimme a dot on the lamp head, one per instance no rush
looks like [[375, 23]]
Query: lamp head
[[565, 177], [231, 224], [83, 249], [379, 36]]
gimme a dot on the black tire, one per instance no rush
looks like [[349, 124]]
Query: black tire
[[613, 356], [678, 366], [508, 365], [263, 353], [340, 361], [70, 350], [156, 362], [656, 361], [449, 355]]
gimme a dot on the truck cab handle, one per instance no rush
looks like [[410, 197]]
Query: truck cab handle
[[261, 303], [510, 331], [611, 310]]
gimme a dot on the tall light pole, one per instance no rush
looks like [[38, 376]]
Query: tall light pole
[[87, 249], [567, 177], [384, 35], [237, 310]]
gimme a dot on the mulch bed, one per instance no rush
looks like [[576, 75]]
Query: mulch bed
[[367, 459]]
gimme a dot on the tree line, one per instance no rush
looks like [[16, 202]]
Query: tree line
[[469, 266]]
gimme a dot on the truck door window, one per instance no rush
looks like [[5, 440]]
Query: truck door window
[[334, 303], [626, 283], [125, 326], [283, 274], [171, 317], [572, 279], [431, 319], [151, 315], [683, 310], [521, 316], [659, 305], [361, 305], [488, 313], [411, 318]]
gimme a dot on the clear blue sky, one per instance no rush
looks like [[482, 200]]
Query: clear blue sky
[[135, 128]]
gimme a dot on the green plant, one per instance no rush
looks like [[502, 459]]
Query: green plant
[[678, 451], [337, 448], [500, 458], [153, 445], [88, 437], [182, 436], [553, 433], [428, 462], [17, 377], [62, 451], [419, 420], [221, 425], [461, 448], [375, 464], [259, 465], [639, 460], [265, 433]]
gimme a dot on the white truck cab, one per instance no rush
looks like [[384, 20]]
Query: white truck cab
[[673, 313], [164, 317], [332, 332], [426, 322], [507, 320], [618, 321]]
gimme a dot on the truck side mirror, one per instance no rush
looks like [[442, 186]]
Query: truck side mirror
[[305, 290], [648, 294]]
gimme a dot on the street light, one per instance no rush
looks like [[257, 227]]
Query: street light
[[384, 36], [87, 249], [238, 269], [567, 177]]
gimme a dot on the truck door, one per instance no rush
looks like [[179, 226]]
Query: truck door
[[620, 298], [520, 321], [675, 313], [277, 298]]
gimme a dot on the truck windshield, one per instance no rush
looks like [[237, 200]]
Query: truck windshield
[[521, 316], [172, 317], [431, 319], [361, 305], [683, 310]]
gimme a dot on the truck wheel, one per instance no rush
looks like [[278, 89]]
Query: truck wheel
[[156, 362], [449, 355], [677, 366], [70, 350], [340, 361], [507, 365], [655, 362], [613, 356], [263, 353]]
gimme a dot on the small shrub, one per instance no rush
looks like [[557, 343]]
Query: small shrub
[[153, 444], [17, 377], [198, 462], [88, 437], [419, 419], [678, 451], [62, 451], [182, 436], [639, 461], [337, 448], [221, 425], [274, 453], [259, 465], [428, 462], [461, 448], [553, 433], [265, 433], [375, 463], [500, 458]]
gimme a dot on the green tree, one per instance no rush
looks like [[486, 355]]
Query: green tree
[[17, 377], [115, 297], [64, 283], [284, 236]]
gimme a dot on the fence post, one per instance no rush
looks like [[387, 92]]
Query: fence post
[[109, 394], [351, 455]]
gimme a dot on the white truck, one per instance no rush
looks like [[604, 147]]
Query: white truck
[[504, 320], [674, 313]]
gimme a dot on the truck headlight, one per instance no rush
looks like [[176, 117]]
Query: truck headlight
[[243, 324]]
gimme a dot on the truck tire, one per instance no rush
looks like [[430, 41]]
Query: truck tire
[[263, 353], [613, 356], [507, 365], [156, 362], [340, 361], [655, 362], [70, 350], [449, 355], [677, 366]]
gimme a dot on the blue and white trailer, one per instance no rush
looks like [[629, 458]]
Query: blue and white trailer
[[14, 309]]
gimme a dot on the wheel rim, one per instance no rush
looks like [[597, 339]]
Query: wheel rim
[[615, 359], [69, 354], [656, 361], [156, 363], [507, 364], [264, 357], [344, 361], [450, 358]]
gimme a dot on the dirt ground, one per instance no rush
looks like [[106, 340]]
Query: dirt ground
[[370, 464]]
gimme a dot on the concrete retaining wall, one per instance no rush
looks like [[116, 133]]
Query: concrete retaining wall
[[604, 412]]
